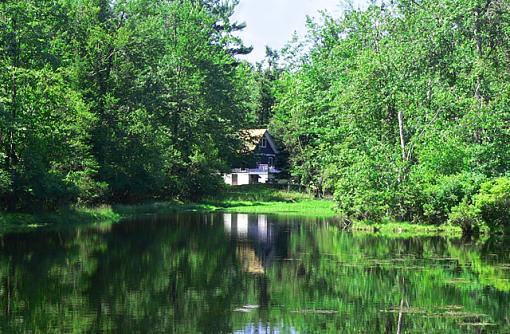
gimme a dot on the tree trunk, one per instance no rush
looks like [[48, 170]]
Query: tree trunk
[[479, 79], [11, 158], [402, 135], [479, 51]]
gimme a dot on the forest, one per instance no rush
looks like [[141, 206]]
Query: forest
[[399, 111], [402, 111], [117, 100]]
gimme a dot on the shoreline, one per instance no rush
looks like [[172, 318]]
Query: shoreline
[[303, 208], [254, 199]]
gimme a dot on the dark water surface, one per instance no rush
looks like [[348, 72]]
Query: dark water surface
[[248, 274]]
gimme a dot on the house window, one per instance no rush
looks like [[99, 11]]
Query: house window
[[271, 161], [263, 143]]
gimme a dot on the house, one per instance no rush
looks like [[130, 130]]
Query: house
[[261, 155]]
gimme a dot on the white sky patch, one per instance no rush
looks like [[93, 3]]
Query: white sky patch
[[272, 22]]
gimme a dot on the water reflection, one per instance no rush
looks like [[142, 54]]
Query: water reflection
[[264, 328], [256, 240], [247, 227], [235, 273]]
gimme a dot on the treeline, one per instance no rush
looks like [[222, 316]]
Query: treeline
[[104, 100], [402, 111]]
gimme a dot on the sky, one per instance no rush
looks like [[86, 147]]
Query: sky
[[272, 22]]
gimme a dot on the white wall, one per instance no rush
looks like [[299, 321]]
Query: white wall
[[244, 178]]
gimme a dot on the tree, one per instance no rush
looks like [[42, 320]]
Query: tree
[[267, 73], [400, 109], [118, 100], [45, 122]]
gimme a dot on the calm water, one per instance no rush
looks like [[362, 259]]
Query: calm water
[[248, 274]]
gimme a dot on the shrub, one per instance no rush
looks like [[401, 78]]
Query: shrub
[[367, 187], [202, 177], [489, 208], [446, 193], [87, 189], [493, 202], [467, 217]]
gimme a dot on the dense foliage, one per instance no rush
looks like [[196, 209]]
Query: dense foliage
[[490, 208], [117, 100], [402, 110], [266, 74]]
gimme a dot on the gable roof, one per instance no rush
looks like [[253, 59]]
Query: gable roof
[[252, 138]]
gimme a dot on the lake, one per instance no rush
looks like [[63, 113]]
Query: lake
[[234, 273]]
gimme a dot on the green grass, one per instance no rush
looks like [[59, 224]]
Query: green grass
[[263, 199], [261, 193], [322, 208], [244, 199]]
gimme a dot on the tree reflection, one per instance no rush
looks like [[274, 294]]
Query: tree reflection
[[240, 273]]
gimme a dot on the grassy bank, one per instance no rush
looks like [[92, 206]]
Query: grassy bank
[[248, 199], [12, 222], [262, 199]]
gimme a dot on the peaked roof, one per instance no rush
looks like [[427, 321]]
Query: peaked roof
[[252, 138]]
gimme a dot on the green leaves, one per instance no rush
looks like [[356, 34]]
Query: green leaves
[[114, 100], [440, 67]]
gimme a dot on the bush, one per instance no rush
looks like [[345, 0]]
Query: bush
[[87, 190], [446, 192], [367, 187], [489, 208], [467, 217], [493, 202]]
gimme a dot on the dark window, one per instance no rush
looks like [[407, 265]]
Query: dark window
[[271, 161], [263, 143]]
